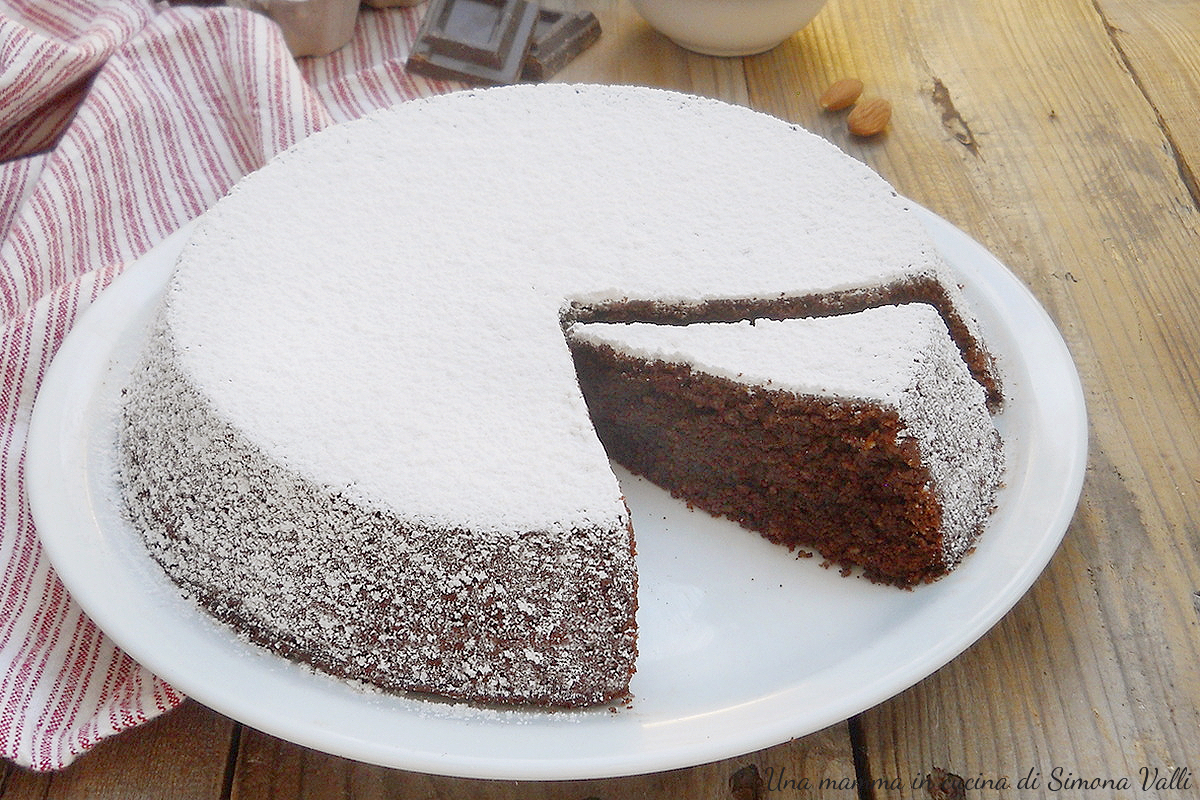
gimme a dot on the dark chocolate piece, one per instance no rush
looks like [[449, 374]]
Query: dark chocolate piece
[[477, 41], [557, 39]]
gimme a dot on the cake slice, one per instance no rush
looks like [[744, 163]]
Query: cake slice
[[861, 436]]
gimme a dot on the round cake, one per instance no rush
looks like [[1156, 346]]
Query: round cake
[[357, 435]]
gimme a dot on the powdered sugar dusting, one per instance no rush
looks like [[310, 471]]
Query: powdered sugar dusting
[[473, 220], [872, 355]]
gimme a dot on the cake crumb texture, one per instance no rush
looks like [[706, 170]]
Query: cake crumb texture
[[861, 435]]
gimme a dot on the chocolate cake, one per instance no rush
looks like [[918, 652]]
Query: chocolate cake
[[358, 437], [830, 433]]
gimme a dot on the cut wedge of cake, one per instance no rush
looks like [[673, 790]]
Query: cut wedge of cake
[[861, 436]]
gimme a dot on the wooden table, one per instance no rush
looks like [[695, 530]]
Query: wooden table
[[1063, 135]]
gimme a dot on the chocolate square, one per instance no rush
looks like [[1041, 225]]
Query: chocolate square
[[557, 39], [477, 41]]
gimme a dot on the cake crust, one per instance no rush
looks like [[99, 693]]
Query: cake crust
[[363, 594]]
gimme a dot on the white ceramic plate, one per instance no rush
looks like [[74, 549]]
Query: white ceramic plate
[[742, 645]]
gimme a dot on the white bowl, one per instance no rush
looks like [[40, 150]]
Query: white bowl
[[728, 27]]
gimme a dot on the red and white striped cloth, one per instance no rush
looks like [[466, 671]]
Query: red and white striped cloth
[[120, 120]]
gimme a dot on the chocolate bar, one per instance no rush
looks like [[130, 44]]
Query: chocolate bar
[[478, 41], [498, 41], [558, 37]]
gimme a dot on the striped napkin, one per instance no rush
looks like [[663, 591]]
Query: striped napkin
[[120, 120]]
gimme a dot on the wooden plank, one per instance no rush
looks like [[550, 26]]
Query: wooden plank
[[1160, 44], [183, 755], [819, 766], [1020, 122], [1061, 134]]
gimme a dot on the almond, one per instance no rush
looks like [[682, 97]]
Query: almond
[[841, 94], [869, 117]]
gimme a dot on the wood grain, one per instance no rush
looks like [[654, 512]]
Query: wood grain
[[1062, 135], [1066, 165], [183, 755], [273, 770]]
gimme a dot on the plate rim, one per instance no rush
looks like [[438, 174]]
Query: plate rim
[[49, 434]]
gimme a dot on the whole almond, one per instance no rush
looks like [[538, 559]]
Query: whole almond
[[869, 117], [841, 94]]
